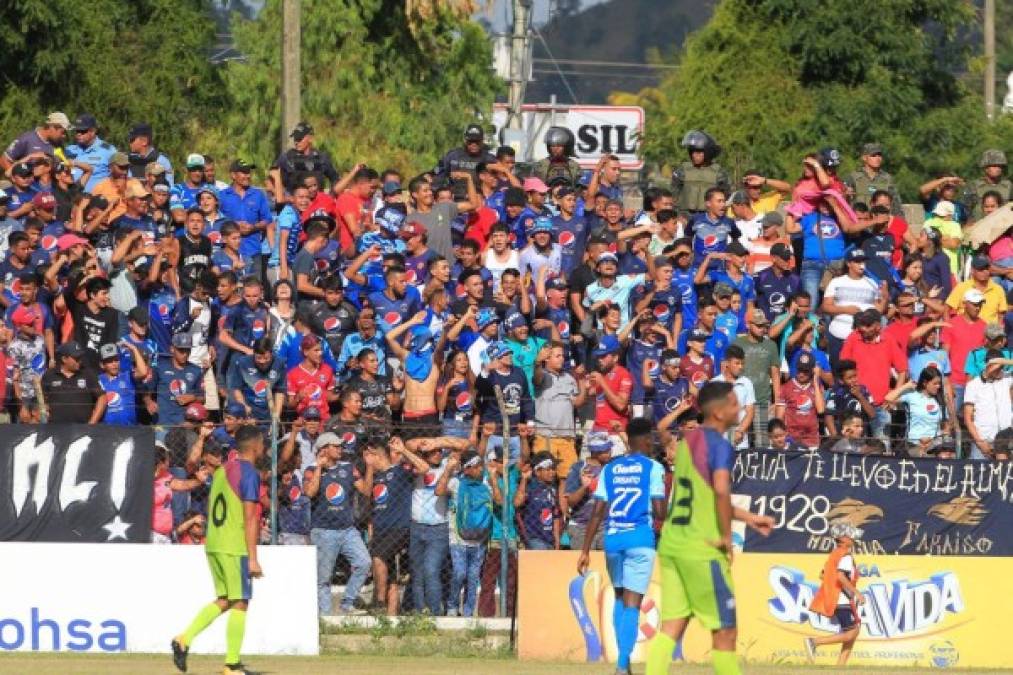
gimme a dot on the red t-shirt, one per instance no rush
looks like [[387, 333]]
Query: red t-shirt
[[348, 203], [900, 332], [697, 373], [874, 360], [315, 384], [322, 204], [960, 339], [897, 228], [800, 415], [620, 382]]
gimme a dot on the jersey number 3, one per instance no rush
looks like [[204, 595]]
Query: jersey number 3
[[684, 492]]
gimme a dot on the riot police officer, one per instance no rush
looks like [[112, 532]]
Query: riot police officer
[[692, 179], [561, 146], [467, 157], [993, 165], [303, 159], [870, 177]]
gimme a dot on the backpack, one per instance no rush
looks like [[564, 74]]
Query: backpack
[[474, 510]]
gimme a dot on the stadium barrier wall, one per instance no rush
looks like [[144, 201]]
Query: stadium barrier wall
[[136, 597], [922, 611]]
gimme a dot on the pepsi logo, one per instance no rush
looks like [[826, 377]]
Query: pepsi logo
[[215, 236], [163, 310], [804, 404], [710, 240], [294, 493], [335, 494], [654, 370], [321, 264], [513, 237], [48, 242], [260, 388], [566, 238], [331, 323], [113, 399], [258, 328], [564, 329], [661, 312], [177, 387], [392, 318], [545, 517], [931, 407], [380, 494], [613, 248], [698, 378], [460, 291], [529, 223], [348, 438], [463, 401], [411, 276], [429, 479], [16, 287]]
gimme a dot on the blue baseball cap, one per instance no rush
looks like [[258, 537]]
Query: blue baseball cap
[[542, 224], [516, 320], [598, 441], [608, 345], [606, 257], [497, 350], [234, 409], [585, 177], [485, 317]]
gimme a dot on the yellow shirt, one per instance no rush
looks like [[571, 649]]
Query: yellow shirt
[[947, 228], [995, 300], [765, 204]]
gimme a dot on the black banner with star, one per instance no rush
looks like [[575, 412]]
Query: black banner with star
[[76, 483], [902, 506]]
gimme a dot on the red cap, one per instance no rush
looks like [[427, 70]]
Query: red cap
[[44, 200], [412, 229], [22, 316], [309, 342], [68, 240], [196, 412]]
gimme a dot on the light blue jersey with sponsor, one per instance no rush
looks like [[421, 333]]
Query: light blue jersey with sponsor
[[627, 485]]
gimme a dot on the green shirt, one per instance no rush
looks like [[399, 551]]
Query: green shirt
[[760, 358], [525, 355], [234, 482]]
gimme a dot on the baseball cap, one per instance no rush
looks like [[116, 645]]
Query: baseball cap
[[943, 208], [979, 262], [182, 341], [119, 159], [135, 189], [607, 345], [138, 315], [606, 257], [771, 219], [108, 352], [98, 202], [59, 119], [544, 460], [872, 149], [973, 296], [470, 459], [84, 121], [196, 412], [242, 165], [22, 316], [806, 362], [856, 255], [514, 196], [22, 170], [698, 336], [535, 184], [497, 350], [411, 229], [759, 318], [557, 284], [598, 441], [44, 200], [325, 439], [515, 320], [542, 224], [140, 129], [781, 251], [301, 130], [154, 168], [159, 186], [71, 349], [234, 409], [194, 161], [69, 240], [311, 413], [723, 290], [739, 197], [473, 132], [308, 343], [736, 248], [993, 331], [391, 187], [485, 317]]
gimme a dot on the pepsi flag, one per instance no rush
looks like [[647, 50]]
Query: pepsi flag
[[903, 506], [76, 483]]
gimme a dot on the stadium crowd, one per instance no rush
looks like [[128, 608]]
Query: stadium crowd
[[386, 329]]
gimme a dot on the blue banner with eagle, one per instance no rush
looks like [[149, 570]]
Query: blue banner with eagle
[[902, 506]]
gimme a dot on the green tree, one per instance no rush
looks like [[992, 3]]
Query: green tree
[[122, 60], [774, 79], [378, 85]]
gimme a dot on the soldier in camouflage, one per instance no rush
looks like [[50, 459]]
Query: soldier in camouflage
[[692, 179], [560, 144], [993, 165], [861, 184]]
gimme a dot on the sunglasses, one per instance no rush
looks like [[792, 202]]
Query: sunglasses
[[906, 305]]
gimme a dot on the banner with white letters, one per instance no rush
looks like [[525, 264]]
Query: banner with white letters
[[76, 483]]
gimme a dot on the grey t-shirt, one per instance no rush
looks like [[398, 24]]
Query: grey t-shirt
[[554, 404], [760, 358], [437, 223]]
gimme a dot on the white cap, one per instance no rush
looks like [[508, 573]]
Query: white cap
[[59, 119], [944, 208], [973, 296]]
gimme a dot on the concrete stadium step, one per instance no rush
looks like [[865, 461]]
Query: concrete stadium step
[[443, 623]]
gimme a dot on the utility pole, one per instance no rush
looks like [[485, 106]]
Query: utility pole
[[518, 61], [990, 59], [291, 85]]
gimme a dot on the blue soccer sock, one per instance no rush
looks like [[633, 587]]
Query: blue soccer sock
[[617, 619], [626, 636]]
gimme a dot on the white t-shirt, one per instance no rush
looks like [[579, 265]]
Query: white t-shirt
[[746, 394], [993, 408], [750, 230], [846, 565], [847, 292], [497, 268]]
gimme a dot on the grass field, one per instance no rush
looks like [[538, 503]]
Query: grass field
[[141, 664]]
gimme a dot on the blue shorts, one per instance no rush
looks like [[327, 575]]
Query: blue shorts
[[845, 617], [631, 569]]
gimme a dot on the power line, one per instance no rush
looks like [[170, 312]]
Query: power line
[[566, 83], [609, 64], [587, 73]]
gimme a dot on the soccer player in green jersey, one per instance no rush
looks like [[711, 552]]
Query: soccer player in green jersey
[[231, 549], [695, 548]]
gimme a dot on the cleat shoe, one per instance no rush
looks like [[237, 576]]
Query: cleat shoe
[[810, 649], [179, 653]]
